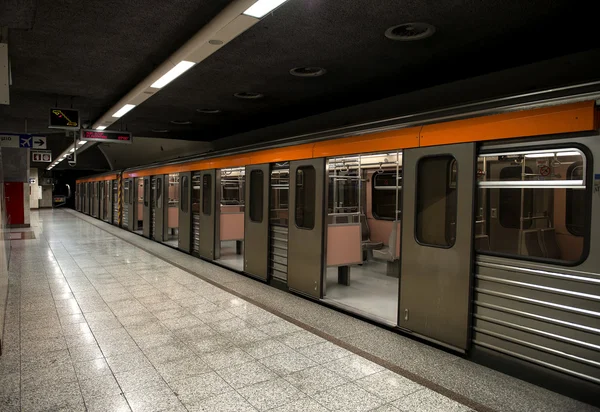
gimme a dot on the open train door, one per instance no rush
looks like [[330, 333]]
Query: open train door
[[256, 221], [185, 213], [436, 250], [305, 236]]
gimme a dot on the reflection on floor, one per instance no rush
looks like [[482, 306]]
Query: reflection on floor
[[172, 242], [229, 257], [371, 291], [139, 231]]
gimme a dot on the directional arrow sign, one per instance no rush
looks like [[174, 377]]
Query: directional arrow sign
[[39, 142]]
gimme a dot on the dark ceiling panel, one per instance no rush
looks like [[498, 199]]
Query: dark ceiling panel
[[90, 53], [347, 38]]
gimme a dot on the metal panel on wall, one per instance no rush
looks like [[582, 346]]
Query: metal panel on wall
[[305, 254], [256, 221], [437, 233], [185, 214], [207, 214]]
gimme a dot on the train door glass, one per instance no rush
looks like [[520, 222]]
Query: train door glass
[[139, 206], [230, 218], [171, 228], [363, 234], [278, 221]]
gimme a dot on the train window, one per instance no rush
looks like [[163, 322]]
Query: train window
[[206, 194], [386, 195], [159, 193], [574, 209], [510, 199], [256, 195], [532, 204], [185, 190], [306, 179], [146, 192], [436, 201]]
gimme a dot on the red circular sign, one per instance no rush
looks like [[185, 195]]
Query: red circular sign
[[545, 170]]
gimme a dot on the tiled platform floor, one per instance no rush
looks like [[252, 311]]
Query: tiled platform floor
[[95, 323]]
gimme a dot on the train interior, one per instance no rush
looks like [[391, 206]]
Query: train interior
[[171, 234], [363, 233], [229, 241], [531, 203], [139, 205]]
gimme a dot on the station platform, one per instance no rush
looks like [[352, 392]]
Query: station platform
[[101, 319]]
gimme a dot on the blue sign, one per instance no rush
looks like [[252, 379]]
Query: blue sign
[[25, 141]]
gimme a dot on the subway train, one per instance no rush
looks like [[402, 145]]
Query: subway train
[[476, 234]]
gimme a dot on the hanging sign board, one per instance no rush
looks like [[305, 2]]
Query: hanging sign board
[[24, 141], [64, 119], [106, 136], [41, 156]]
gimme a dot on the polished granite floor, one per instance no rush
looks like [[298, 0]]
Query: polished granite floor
[[95, 323]]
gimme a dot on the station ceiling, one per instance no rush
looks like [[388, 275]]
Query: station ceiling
[[89, 54]]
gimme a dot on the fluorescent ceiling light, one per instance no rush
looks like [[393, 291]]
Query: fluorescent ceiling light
[[123, 110], [82, 142], [101, 128], [72, 150], [263, 7], [181, 67]]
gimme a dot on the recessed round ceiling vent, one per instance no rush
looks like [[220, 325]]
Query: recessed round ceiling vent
[[160, 130], [181, 122], [308, 71], [215, 42], [410, 31], [208, 111], [248, 95]]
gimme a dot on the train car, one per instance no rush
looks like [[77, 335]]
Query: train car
[[475, 234], [98, 196]]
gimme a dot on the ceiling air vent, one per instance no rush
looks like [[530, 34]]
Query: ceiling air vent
[[248, 95], [208, 111], [308, 71], [410, 31]]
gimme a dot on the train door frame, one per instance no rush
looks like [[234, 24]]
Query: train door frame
[[256, 233], [159, 209], [109, 201], [95, 205], [207, 220], [306, 246], [86, 198], [185, 211], [101, 190], [131, 218], [438, 272], [146, 207]]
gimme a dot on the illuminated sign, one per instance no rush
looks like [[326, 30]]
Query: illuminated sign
[[64, 119], [107, 136]]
